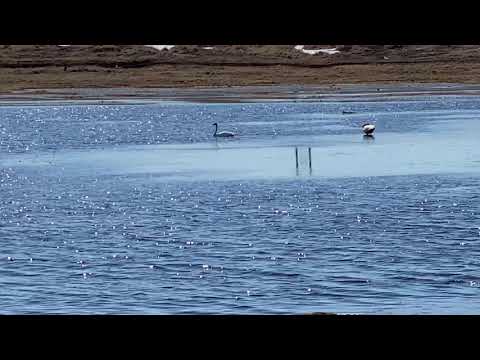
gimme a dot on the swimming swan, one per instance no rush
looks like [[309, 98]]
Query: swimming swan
[[222, 133], [368, 129]]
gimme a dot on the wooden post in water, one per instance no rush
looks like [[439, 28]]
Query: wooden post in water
[[296, 158], [310, 159]]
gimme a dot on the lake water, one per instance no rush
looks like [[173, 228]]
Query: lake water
[[122, 209]]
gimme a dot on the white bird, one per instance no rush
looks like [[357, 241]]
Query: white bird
[[222, 133], [368, 129]]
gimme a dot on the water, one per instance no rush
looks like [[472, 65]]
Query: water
[[136, 209]]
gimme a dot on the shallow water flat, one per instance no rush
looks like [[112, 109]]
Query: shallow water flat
[[137, 209]]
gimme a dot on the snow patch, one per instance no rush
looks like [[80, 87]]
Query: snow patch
[[208, 48], [330, 51], [161, 47]]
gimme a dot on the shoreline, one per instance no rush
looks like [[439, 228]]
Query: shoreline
[[234, 94]]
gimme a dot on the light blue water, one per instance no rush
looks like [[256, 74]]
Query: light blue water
[[137, 209]]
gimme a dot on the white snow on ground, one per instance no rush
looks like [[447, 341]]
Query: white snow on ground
[[161, 47], [330, 51], [208, 47], [63, 45]]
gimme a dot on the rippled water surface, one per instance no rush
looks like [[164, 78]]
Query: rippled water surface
[[137, 209]]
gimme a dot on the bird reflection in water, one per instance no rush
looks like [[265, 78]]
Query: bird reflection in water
[[369, 138]]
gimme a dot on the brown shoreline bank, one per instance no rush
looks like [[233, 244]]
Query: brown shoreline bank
[[237, 93], [54, 68], [187, 76]]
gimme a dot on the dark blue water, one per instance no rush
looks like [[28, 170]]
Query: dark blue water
[[135, 209]]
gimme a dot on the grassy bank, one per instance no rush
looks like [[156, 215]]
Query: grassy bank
[[136, 66], [211, 75]]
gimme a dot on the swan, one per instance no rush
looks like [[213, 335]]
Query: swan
[[222, 133], [368, 129]]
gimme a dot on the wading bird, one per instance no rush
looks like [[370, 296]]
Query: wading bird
[[368, 129], [222, 133]]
